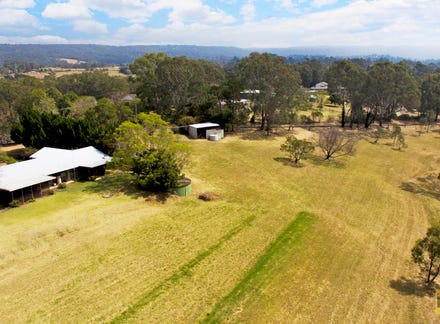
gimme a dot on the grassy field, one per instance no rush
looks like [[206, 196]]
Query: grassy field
[[328, 242], [59, 72]]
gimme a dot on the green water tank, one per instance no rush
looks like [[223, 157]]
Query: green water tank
[[183, 188]]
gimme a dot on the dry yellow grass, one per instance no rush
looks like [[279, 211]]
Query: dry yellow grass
[[79, 257], [58, 72]]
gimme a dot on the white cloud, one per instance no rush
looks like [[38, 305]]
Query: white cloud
[[14, 18], [49, 39], [194, 12], [41, 39], [287, 5], [137, 11], [90, 27], [370, 24], [74, 9], [322, 3], [248, 11], [131, 10], [17, 4]]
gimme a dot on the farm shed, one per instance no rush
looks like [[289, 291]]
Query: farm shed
[[200, 130], [48, 167]]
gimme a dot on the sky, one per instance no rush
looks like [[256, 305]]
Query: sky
[[408, 28]]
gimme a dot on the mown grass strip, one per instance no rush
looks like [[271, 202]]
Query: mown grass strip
[[264, 268], [184, 271]]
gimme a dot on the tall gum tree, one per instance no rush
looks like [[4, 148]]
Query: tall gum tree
[[389, 87], [346, 79], [272, 84], [430, 94]]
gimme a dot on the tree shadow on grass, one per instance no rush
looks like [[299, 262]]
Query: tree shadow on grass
[[406, 286], [122, 182], [257, 135], [320, 161], [287, 162], [428, 186], [116, 183]]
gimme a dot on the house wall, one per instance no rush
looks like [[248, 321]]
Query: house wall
[[192, 132], [25, 194]]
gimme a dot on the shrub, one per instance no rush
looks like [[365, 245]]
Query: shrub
[[14, 203], [4, 157], [62, 185], [208, 196], [296, 148], [157, 170]]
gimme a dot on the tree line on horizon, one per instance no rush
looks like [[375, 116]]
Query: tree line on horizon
[[184, 91]]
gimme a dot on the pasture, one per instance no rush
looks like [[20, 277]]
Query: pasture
[[327, 242]]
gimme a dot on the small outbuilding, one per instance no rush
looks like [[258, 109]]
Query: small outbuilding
[[202, 130]]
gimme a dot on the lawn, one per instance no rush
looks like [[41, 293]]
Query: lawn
[[329, 241]]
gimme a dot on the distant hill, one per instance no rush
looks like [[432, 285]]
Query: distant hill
[[59, 55], [50, 55]]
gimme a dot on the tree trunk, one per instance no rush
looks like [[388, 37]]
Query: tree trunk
[[343, 115], [263, 121], [366, 120], [268, 126], [428, 280], [436, 274]]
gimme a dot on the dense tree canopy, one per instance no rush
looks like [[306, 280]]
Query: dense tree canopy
[[171, 85], [389, 87], [151, 151], [271, 83], [98, 84], [38, 129], [430, 94], [346, 80]]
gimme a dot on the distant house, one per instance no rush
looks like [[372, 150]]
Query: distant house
[[129, 97], [320, 86], [46, 168], [204, 130]]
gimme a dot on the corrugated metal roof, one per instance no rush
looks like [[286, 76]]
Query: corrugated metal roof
[[46, 162], [204, 125]]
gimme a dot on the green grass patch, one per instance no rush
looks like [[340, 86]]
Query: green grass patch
[[184, 271], [265, 267]]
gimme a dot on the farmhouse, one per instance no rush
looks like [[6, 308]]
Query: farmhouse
[[320, 86], [205, 130], [46, 168]]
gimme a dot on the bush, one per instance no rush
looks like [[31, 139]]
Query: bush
[[14, 203], [157, 170], [208, 196], [4, 157], [62, 185]]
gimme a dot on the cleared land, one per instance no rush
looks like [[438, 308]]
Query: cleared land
[[59, 72], [326, 242]]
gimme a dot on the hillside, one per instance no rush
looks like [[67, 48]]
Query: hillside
[[50, 55], [326, 242]]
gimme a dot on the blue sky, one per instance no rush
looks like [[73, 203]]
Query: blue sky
[[406, 27]]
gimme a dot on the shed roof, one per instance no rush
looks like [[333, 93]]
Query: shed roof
[[204, 125], [46, 162]]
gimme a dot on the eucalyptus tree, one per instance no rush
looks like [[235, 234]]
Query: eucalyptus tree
[[171, 85], [426, 253], [389, 87], [271, 83], [430, 95], [346, 81]]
